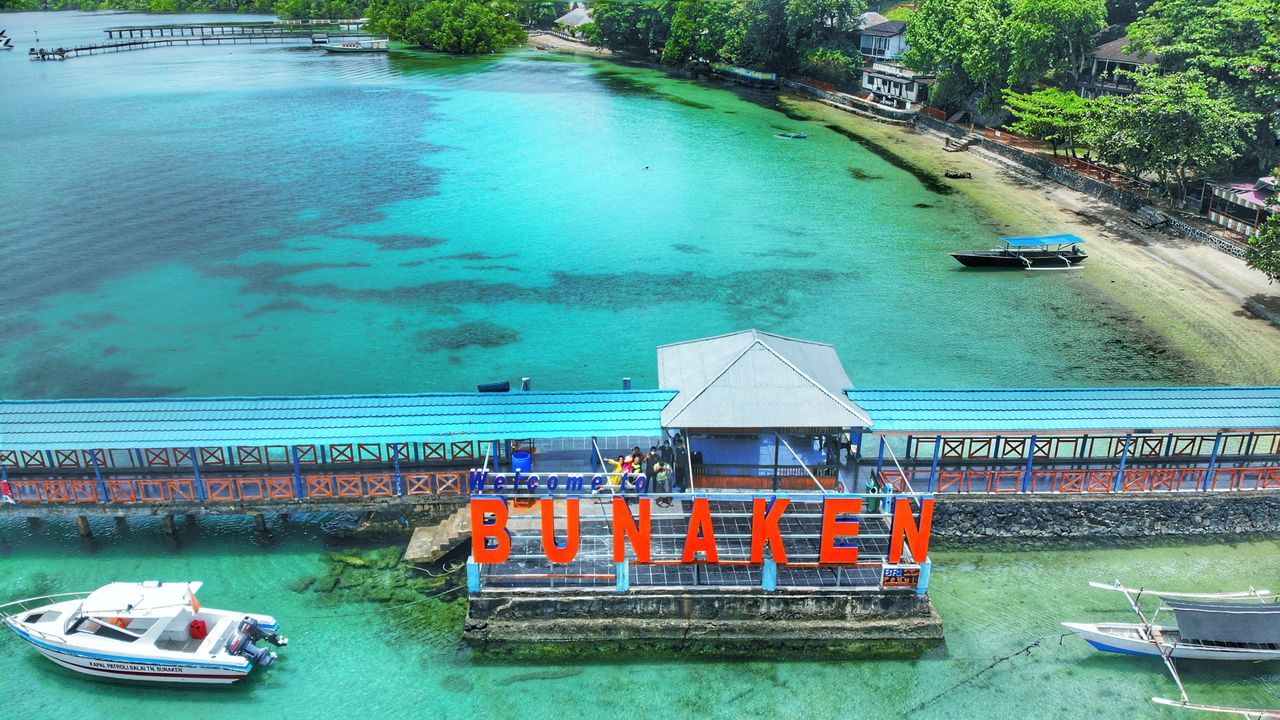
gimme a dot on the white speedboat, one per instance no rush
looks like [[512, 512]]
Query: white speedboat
[[149, 631]]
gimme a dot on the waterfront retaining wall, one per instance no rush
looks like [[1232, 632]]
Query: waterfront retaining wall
[[705, 621], [968, 520]]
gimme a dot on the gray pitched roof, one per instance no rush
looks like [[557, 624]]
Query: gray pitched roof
[[888, 28], [753, 379], [1115, 52], [576, 17]]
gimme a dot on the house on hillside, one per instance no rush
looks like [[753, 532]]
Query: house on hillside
[[1106, 66], [573, 21], [895, 85], [885, 40], [1241, 206]]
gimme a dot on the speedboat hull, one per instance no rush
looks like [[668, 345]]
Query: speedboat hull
[[1021, 260], [141, 670], [1129, 639]]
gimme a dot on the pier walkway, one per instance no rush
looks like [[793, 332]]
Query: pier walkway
[[141, 37]]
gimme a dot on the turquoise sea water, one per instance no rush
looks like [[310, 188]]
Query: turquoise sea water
[[259, 219]]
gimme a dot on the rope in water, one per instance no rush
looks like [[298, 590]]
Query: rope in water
[[1024, 651]]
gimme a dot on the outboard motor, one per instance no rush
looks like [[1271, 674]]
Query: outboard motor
[[254, 631], [249, 633]]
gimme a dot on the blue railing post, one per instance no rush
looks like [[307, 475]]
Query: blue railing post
[[473, 575], [769, 575], [880, 459], [1031, 458], [97, 473], [1124, 460], [1213, 463], [933, 470], [195, 471], [298, 490], [624, 576], [399, 479], [926, 569]]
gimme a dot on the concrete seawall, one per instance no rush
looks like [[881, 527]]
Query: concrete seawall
[[966, 520], [704, 622]]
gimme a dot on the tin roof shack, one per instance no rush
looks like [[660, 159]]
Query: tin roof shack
[[1241, 206], [758, 411], [896, 85], [575, 20], [1107, 68]]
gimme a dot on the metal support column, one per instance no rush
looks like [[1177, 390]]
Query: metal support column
[[473, 575], [397, 477], [624, 576], [1124, 460], [1031, 458], [1213, 463], [97, 473], [769, 575], [201, 492], [926, 569], [933, 469], [777, 442]]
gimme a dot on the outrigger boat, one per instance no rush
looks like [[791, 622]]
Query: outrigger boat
[[149, 631], [1042, 252], [1211, 626], [791, 135]]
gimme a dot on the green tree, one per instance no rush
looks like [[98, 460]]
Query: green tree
[[1236, 42], [822, 23], [467, 27], [1171, 127], [637, 26], [965, 43], [1054, 115], [1263, 252], [831, 65], [1052, 38], [759, 38], [699, 31]]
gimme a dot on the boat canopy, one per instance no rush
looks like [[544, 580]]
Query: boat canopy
[[1042, 240], [137, 600], [1255, 623]]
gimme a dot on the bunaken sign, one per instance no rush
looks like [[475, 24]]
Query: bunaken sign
[[909, 528]]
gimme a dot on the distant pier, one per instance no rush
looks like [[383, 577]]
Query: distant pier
[[141, 37]]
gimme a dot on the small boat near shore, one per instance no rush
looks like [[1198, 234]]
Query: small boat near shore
[[376, 45], [791, 136], [150, 631], [1042, 252]]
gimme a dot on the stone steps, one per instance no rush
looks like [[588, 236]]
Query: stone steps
[[431, 542]]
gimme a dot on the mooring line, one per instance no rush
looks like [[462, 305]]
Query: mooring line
[[1024, 651]]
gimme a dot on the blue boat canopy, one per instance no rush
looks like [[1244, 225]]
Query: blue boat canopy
[[1039, 240]]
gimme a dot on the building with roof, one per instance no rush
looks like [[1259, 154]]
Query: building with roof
[[895, 85], [883, 40], [1241, 206], [1107, 67], [573, 22]]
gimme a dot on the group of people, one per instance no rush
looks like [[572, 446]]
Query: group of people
[[658, 466]]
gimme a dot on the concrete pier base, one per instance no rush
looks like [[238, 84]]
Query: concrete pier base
[[549, 624], [170, 526], [260, 522], [122, 522], [82, 525]]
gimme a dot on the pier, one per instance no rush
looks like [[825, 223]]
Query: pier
[[141, 37]]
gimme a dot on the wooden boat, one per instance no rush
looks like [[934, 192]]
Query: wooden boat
[[378, 45], [150, 631], [957, 175], [1211, 626], [1045, 252], [791, 136]]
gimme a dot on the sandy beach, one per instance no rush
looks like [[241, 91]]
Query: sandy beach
[[1188, 295], [543, 40]]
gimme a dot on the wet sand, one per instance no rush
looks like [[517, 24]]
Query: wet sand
[[1190, 295]]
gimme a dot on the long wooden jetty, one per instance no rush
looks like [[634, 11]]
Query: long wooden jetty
[[224, 29], [293, 36]]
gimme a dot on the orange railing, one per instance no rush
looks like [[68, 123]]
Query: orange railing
[[1063, 480]]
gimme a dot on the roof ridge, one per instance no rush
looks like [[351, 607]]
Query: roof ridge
[[712, 381], [845, 402]]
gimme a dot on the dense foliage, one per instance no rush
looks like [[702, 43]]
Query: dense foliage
[[283, 8], [1051, 114], [980, 48], [456, 26], [1263, 252], [814, 36]]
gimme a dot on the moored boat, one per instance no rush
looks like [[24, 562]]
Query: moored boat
[[1044, 252], [150, 631], [791, 135], [376, 45]]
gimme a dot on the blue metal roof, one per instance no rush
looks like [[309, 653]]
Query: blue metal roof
[[1039, 240], [1070, 409], [212, 422]]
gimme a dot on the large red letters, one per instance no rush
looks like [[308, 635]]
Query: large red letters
[[572, 536], [905, 528], [702, 534], [764, 528], [481, 531], [832, 527], [625, 528]]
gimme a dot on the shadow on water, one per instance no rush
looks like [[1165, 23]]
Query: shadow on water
[[931, 182]]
